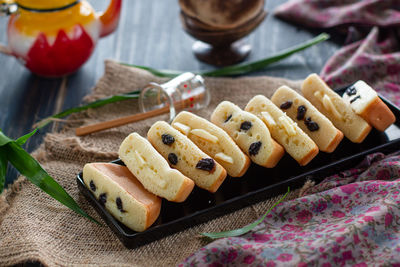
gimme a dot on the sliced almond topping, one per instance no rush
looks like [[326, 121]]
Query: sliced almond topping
[[224, 157], [181, 127], [318, 95], [287, 125], [139, 159], [155, 178], [267, 118], [204, 135], [327, 102]]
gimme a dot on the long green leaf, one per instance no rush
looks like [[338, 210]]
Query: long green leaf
[[159, 73], [3, 170], [245, 67], [4, 139], [245, 229], [260, 64], [22, 140], [94, 104], [31, 169]]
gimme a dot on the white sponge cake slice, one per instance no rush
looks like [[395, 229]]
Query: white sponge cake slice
[[122, 194], [152, 170], [308, 118], [365, 102], [249, 133], [185, 156], [296, 143], [214, 141], [335, 108]]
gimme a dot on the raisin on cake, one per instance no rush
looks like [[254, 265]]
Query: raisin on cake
[[365, 102], [308, 118], [213, 141], [249, 133], [122, 194], [296, 143], [185, 156], [152, 170], [335, 108]]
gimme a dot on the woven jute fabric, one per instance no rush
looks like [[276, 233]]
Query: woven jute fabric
[[34, 227]]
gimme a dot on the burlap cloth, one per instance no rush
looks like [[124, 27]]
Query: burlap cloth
[[34, 227]]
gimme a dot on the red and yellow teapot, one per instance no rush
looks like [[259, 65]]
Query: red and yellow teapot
[[55, 37]]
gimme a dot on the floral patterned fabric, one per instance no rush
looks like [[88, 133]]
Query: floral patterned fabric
[[351, 218], [373, 59], [373, 32], [356, 222]]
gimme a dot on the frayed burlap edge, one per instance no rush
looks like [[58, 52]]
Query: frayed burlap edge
[[9, 193]]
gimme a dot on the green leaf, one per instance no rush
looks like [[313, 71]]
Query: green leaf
[[3, 170], [159, 73], [245, 229], [22, 140], [30, 168], [242, 68], [4, 139], [261, 64], [11, 151], [94, 104]]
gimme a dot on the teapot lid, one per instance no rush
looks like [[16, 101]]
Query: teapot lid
[[45, 4]]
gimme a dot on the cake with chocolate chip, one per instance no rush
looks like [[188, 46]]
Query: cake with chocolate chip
[[366, 103], [185, 156], [122, 195], [318, 127], [152, 170], [249, 133], [335, 108], [285, 131], [213, 141]]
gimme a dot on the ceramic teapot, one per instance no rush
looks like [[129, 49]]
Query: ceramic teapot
[[55, 37]]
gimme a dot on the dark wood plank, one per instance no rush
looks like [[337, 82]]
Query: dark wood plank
[[150, 34]]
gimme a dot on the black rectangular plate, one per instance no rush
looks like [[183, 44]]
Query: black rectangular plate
[[256, 185]]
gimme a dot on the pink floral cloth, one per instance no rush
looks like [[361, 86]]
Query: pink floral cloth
[[372, 52], [374, 60], [351, 218], [356, 222]]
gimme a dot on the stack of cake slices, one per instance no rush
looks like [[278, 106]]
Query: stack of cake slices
[[194, 151]]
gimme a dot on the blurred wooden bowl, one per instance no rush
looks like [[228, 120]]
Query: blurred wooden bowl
[[222, 14], [220, 47]]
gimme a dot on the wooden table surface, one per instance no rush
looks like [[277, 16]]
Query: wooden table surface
[[150, 34]]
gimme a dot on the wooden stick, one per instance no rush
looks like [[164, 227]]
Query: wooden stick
[[84, 130]]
